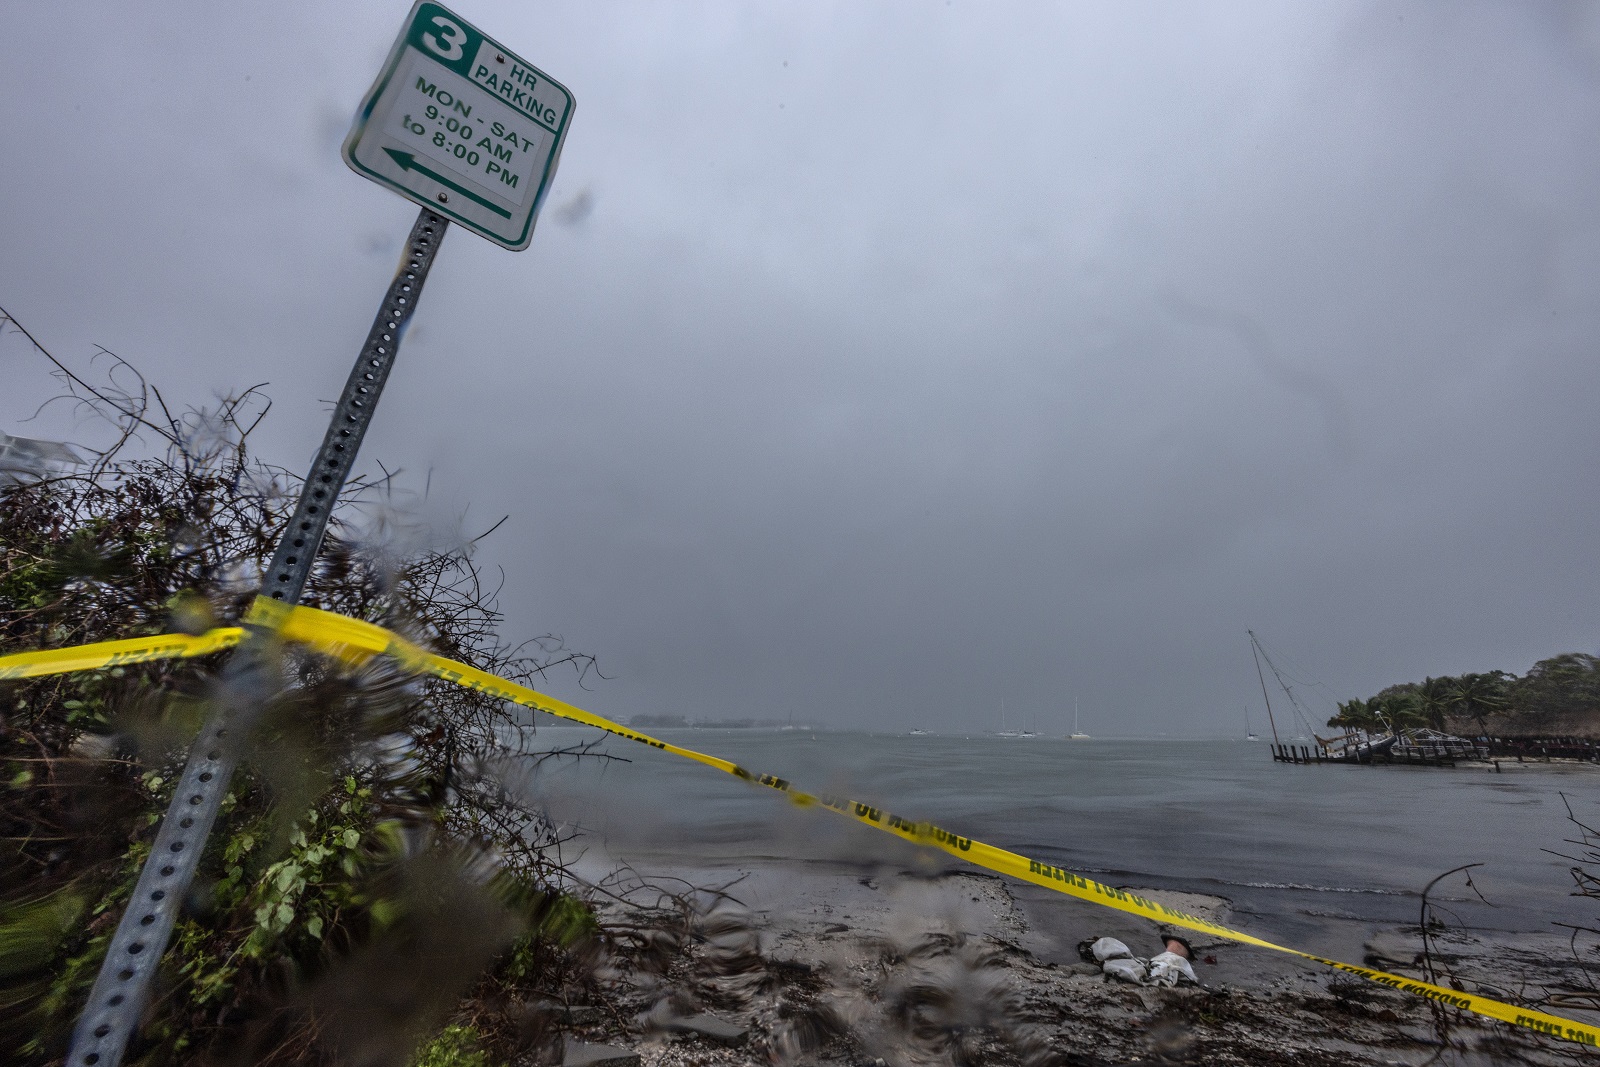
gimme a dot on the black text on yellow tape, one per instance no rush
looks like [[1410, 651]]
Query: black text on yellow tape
[[354, 641]]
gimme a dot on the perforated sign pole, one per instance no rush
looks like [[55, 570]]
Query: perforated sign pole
[[462, 126], [123, 986]]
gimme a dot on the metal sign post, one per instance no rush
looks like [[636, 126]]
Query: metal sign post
[[470, 131], [123, 985]]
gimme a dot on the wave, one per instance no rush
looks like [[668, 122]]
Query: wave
[[1325, 888]]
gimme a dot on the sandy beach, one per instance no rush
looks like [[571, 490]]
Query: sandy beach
[[839, 945], [833, 964]]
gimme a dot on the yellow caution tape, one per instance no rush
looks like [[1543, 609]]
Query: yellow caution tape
[[104, 654], [353, 641]]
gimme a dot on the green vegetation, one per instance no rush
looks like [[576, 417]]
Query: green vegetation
[[456, 1046], [370, 879], [1559, 696]]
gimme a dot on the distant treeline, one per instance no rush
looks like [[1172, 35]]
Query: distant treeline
[[1558, 696]]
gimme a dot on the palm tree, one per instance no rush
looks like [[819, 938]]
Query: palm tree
[[1358, 715], [1436, 696], [1345, 716], [1479, 695], [1401, 711]]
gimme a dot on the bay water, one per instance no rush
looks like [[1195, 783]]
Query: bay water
[[1306, 855]]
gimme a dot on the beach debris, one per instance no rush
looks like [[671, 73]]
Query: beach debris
[[1165, 969], [23, 459], [583, 1015], [571, 1014], [587, 1054], [702, 1025]]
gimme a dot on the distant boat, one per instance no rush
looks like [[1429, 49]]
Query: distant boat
[[1077, 732], [1307, 731], [918, 732], [1249, 734], [1003, 731], [1256, 652]]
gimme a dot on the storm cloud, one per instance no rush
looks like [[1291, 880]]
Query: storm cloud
[[872, 362]]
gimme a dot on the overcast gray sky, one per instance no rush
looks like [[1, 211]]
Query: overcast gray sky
[[906, 355]]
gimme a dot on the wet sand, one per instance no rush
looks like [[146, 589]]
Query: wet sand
[[841, 964]]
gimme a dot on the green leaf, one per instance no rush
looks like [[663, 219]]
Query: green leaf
[[456, 1046], [286, 876]]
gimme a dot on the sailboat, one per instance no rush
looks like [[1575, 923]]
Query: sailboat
[[1347, 749], [1077, 732], [1003, 731], [1249, 734], [1255, 653], [1025, 731]]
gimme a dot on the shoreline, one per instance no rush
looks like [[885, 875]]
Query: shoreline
[[832, 951], [838, 921]]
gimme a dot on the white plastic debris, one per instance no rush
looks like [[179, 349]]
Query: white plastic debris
[[1109, 948], [1163, 969], [1169, 968], [22, 459]]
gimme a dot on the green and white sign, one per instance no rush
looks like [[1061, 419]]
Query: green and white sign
[[459, 124]]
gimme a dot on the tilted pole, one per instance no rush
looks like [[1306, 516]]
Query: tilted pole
[[122, 988]]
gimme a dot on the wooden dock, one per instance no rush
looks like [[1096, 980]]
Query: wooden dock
[[1406, 757], [1543, 749], [1481, 749]]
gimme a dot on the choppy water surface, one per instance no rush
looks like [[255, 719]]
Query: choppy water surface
[[1295, 848]]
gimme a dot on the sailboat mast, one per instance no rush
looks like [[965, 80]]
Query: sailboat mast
[[1255, 652]]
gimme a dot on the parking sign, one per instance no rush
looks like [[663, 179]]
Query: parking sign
[[458, 123]]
